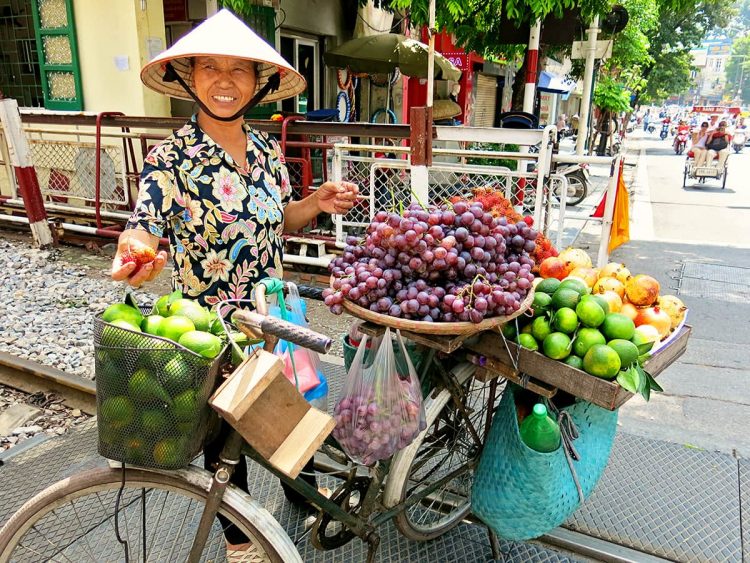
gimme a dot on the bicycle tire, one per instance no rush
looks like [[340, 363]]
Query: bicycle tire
[[63, 500], [403, 469]]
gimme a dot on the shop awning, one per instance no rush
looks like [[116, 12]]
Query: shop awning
[[554, 83]]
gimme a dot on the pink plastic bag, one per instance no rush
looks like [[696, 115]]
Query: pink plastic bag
[[378, 413]]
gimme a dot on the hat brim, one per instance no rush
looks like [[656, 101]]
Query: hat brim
[[152, 75]]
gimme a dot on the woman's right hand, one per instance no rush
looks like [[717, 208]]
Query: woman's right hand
[[137, 259]]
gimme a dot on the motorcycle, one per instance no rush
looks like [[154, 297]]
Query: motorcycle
[[680, 142], [664, 131], [738, 140]]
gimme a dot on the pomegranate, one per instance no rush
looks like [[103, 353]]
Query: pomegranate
[[673, 307], [655, 317], [574, 258], [613, 300], [642, 290], [588, 275], [629, 310], [552, 267], [609, 284], [615, 270]]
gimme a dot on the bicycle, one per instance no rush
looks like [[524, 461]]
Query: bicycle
[[424, 488]]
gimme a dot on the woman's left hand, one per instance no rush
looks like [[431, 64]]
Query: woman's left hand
[[337, 197]]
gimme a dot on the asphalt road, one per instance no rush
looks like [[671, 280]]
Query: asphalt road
[[696, 241]]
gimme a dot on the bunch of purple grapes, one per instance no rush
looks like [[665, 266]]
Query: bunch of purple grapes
[[449, 263]]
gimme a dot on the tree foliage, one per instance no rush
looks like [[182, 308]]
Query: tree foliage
[[738, 70], [610, 95]]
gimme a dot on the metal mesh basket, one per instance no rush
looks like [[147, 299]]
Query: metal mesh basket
[[151, 397]]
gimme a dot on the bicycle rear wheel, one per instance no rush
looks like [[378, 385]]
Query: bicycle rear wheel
[[74, 520], [445, 446]]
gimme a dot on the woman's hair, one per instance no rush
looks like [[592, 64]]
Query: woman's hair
[[704, 124]]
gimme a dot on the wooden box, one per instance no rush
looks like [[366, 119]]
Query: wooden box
[[273, 417], [601, 392]]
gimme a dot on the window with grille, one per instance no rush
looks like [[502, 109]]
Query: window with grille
[[58, 54]]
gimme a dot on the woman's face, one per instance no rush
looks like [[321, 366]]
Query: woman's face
[[224, 84]]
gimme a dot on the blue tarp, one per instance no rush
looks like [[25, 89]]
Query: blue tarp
[[555, 84]]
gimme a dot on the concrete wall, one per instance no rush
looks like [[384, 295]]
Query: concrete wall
[[112, 31]]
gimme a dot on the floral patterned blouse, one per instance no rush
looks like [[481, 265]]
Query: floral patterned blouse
[[224, 222]]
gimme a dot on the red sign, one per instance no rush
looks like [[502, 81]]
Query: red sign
[[717, 109], [175, 11], [459, 60]]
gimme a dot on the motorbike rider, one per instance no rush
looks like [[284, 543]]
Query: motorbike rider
[[718, 143], [698, 147], [682, 128]]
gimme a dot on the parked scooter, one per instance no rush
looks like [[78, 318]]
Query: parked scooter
[[664, 130], [738, 140], [680, 142]]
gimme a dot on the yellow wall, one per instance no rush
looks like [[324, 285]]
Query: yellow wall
[[118, 28]]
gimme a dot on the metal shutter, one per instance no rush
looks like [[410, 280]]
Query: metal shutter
[[485, 101]]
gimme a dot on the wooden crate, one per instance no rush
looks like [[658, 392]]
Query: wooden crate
[[602, 392], [273, 417]]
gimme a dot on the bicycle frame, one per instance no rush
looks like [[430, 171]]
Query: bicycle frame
[[360, 524]]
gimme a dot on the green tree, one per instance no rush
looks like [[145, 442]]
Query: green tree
[[738, 70]]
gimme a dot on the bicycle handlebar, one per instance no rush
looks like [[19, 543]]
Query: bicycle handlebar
[[253, 322]]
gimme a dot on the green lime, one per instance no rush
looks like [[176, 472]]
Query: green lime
[[528, 341], [203, 343], [565, 320], [151, 324], [556, 346], [642, 342], [541, 303], [627, 351], [144, 387], [135, 449], [174, 327], [215, 325], [575, 284], [565, 297], [585, 339], [590, 313], [601, 361], [168, 452], [177, 375], [508, 330], [548, 286], [124, 312], [617, 325], [117, 411], [574, 361], [526, 329], [540, 328], [603, 303], [185, 407], [154, 422], [192, 310]]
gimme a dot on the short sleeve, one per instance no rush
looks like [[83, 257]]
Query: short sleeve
[[155, 203], [280, 172]]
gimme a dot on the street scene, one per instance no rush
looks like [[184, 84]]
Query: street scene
[[406, 280]]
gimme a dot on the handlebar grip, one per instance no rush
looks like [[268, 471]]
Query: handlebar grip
[[285, 330], [310, 292]]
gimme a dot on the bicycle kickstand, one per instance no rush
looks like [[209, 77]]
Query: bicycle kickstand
[[373, 542]]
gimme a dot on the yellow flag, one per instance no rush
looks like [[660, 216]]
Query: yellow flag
[[620, 232]]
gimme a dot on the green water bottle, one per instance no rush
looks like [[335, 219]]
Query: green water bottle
[[539, 431]]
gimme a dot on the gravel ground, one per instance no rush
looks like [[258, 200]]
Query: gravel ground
[[55, 418]]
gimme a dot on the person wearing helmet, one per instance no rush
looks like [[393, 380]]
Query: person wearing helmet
[[218, 189]]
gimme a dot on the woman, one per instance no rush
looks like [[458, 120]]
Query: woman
[[698, 144], [718, 143], [219, 189]]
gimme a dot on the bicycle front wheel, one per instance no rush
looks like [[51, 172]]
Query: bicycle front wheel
[[157, 516]]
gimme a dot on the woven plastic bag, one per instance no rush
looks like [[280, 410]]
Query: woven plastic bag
[[378, 413], [301, 366], [521, 493]]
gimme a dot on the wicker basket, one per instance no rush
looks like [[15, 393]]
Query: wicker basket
[[151, 397]]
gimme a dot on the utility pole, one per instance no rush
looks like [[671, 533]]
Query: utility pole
[[588, 83]]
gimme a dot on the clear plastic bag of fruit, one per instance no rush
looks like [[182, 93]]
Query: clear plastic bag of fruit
[[378, 413]]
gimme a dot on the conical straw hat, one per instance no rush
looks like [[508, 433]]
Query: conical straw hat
[[223, 34]]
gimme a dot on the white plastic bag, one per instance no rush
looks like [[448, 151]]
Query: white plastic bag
[[378, 413]]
